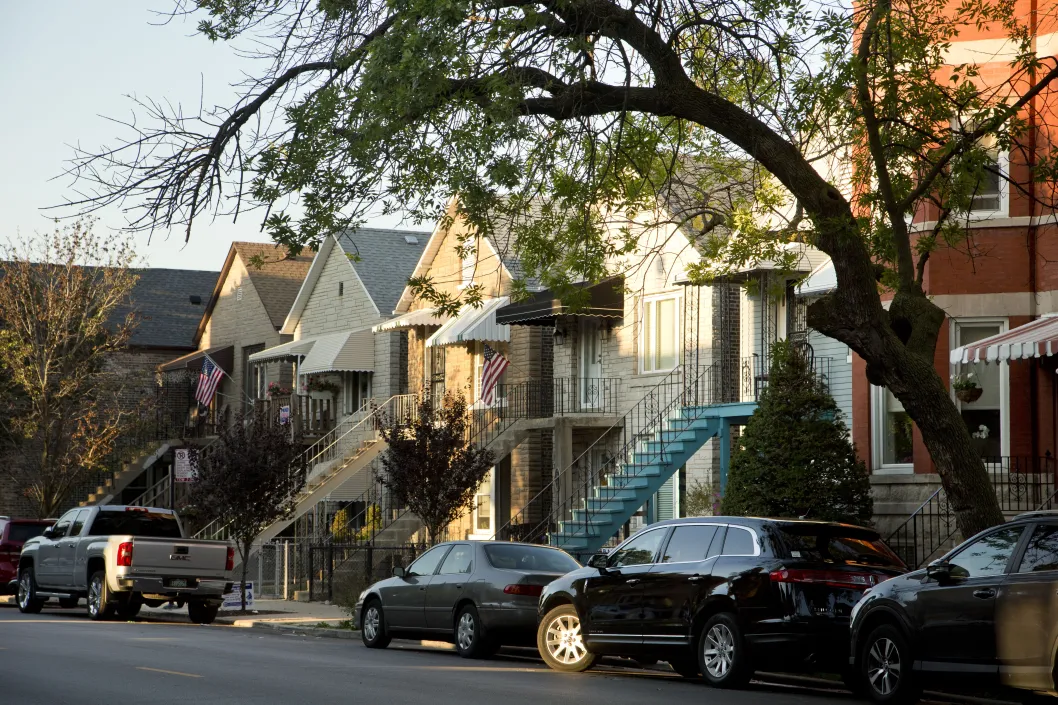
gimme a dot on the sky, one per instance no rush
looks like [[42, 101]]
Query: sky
[[67, 65]]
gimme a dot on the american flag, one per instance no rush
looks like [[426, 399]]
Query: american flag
[[494, 366], [208, 380]]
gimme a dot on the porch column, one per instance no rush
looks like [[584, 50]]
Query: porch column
[[725, 452], [562, 455]]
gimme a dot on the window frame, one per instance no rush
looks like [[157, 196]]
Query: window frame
[[878, 464], [1023, 550], [1014, 560], [676, 527], [753, 535], [961, 124], [443, 549], [455, 547], [1004, 371], [644, 335], [635, 536]]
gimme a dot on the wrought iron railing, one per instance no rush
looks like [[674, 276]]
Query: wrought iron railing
[[561, 396], [756, 372], [157, 495]]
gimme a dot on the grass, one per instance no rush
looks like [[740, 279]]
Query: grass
[[344, 624]]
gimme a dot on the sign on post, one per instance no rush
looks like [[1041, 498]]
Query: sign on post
[[233, 600], [284, 415], [185, 465]]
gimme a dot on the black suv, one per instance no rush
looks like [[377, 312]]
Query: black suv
[[717, 596], [985, 612]]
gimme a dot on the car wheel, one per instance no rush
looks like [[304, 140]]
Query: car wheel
[[722, 653], [100, 606], [373, 626], [68, 603], [470, 638], [28, 602], [201, 612], [686, 666], [561, 642], [885, 668]]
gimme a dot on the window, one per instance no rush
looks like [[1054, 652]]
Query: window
[[63, 525], [739, 542], [470, 258], [689, 543], [1042, 551], [659, 340], [513, 556], [986, 417], [459, 560], [20, 533], [78, 523], [135, 523], [986, 556], [990, 194], [426, 564], [893, 431], [483, 515], [638, 550], [341, 288], [811, 543]]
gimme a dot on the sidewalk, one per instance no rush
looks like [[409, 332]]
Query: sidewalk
[[278, 612]]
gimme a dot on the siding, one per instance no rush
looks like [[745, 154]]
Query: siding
[[840, 381]]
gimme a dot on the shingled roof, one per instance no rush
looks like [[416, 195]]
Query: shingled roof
[[387, 259], [162, 300]]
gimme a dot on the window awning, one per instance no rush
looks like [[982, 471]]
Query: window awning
[[222, 355], [1035, 339], [293, 349], [474, 324], [605, 300], [350, 351], [422, 317]]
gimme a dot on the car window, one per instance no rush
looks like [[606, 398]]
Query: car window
[[640, 550], [20, 533], [78, 523], [134, 522], [986, 556], [459, 560], [828, 544], [739, 542], [426, 564], [63, 525], [689, 543], [1042, 550], [516, 556]]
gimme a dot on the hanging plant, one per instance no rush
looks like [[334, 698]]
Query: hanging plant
[[966, 388]]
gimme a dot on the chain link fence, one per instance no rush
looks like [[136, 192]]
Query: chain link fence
[[339, 573]]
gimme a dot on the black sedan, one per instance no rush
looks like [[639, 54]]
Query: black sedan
[[718, 596], [479, 595], [986, 613]]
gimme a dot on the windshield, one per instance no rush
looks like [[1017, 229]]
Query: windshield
[[109, 523], [835, 545], [514, 556], [20, 533]]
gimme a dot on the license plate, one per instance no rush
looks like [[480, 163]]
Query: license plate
[[178, 582]]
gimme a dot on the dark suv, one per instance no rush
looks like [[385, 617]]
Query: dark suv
[[985, 612], [14, 533], [717, 596]]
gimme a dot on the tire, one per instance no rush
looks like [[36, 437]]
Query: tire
[[722, 655], [28, 602], [373, 630], [469, 635], [561, 642], [201, 612], [100, 602], [68, 603], [686, 666], [885, 668]]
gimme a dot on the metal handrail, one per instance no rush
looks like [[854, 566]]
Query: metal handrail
[[153, 493]]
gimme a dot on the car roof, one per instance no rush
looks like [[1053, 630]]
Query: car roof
[[758, 521], [1039, 514]]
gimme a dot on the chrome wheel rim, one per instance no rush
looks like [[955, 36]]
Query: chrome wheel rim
[[883, 666], [371, 623], [465, 631], [23, 590], [719, 651], [95, 596], [564, 641]]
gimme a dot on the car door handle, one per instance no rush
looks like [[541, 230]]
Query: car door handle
[[986, 594], [422, 587], [459, 587], [633, 581], [694, 578]]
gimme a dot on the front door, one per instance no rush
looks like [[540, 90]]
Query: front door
[[678, 581], [613, 600], [404, 599], [1027, 613], [46, 569], [590, 365], [448, 586], [957, 616]]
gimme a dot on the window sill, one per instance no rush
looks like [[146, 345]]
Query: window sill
[[895, 469]]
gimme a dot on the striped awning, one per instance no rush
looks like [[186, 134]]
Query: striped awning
[[347, 351], [474, 324], [422, 317], [293, 349], [1036, 339]]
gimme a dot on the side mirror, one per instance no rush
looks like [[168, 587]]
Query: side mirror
[[939, 571], [49, 533], [398, 571], [598, 561]]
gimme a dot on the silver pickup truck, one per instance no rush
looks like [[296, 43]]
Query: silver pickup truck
[[121, 558]]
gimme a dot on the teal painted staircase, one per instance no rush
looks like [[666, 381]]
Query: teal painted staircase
[[588, 502]]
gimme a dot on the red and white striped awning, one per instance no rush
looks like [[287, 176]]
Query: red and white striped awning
[[1035, 339]]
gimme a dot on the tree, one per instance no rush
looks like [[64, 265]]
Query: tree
[[592, 111], [61, 303], [431, 466], [250, 480], [794, 457]]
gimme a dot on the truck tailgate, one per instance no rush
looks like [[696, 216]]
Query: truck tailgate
[[183, 557]]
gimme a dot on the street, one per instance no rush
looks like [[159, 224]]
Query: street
[[61, 657]]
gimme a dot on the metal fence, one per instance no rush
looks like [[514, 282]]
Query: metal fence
[[340, 572]]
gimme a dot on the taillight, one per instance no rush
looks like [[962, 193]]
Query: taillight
[[229, 563], [830, 578], [527, 590], [125, 554]]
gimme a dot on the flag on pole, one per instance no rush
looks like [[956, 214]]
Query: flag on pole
[[208, 381], [494, 366]]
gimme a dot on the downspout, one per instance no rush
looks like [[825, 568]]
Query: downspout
[[1031, 244]]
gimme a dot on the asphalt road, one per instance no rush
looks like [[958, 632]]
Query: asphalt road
[[62, 658]]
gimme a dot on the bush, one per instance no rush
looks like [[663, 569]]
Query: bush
[[700, 500], [794, 457]]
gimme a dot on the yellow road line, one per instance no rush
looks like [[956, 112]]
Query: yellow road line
[[171, 673]]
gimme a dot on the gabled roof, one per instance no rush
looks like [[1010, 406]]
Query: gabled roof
[[386, 260], [277, 281], [162, 300]]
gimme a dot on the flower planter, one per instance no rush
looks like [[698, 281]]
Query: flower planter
[[969, 396], [322, 396]]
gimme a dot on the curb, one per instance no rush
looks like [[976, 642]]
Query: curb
[[306, 631]]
